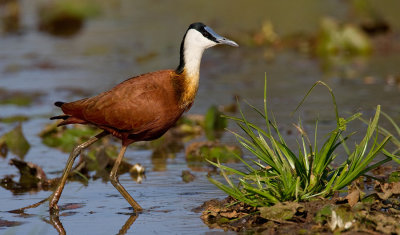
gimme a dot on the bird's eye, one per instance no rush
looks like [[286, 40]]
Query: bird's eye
[[208, 35]]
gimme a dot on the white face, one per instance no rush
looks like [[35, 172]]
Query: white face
[[194, 39]]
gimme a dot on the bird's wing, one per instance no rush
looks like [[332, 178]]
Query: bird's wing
[[133, 105]]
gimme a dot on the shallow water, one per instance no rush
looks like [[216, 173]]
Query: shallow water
[[134, 37]]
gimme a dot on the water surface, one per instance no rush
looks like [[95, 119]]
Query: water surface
[[134, 37]]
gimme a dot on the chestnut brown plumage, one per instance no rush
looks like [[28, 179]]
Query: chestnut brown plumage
[[141, 108]]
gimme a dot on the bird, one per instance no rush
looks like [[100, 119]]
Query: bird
[[141, 108]]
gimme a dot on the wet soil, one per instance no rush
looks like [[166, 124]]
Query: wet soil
[[374, 214]]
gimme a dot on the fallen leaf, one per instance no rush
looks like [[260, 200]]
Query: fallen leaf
[[353, 197], [389, 189], [281, 211]]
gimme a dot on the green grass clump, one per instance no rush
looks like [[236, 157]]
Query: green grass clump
[[283, 174], [395, 136]]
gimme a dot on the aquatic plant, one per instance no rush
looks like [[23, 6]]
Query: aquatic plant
[[335, 39], [395, 135], [279, 174], [65, 17], [14, 141]]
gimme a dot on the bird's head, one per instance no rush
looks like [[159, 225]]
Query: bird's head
[[202, 36], [198, 37]]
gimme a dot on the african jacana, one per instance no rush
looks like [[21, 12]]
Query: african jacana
[[141, 108]]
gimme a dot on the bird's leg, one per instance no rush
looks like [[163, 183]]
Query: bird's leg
[[118, 186], [77, 150]]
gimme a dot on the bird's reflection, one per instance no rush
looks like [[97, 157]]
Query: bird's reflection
[[132, 218], [55, 221]]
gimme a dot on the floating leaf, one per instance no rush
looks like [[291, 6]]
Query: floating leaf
[[17, 100], [214, 123], [18, 118], [3, 148], [31, 174], [200, 151], [187, 176], [16, 141], [66, 138]]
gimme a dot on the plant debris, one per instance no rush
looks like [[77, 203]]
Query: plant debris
[[7, 223], [198, 152], [19, 98], [65, 138], [65, 18], [12, 119], [14, 141], [99, 160], [377, 215], [32, 178], [214, 123], [187, 176]]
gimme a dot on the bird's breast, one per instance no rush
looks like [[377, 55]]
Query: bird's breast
[[185, 87]]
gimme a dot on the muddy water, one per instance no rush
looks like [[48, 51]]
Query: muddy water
[[133, 37]]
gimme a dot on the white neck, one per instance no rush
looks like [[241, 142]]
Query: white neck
[[194, 45]]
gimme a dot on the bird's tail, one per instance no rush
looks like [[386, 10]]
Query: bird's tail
[[67, 119], [59, 103], [64, 116]]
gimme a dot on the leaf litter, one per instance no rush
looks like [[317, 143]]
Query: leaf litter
[[355, 213]]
